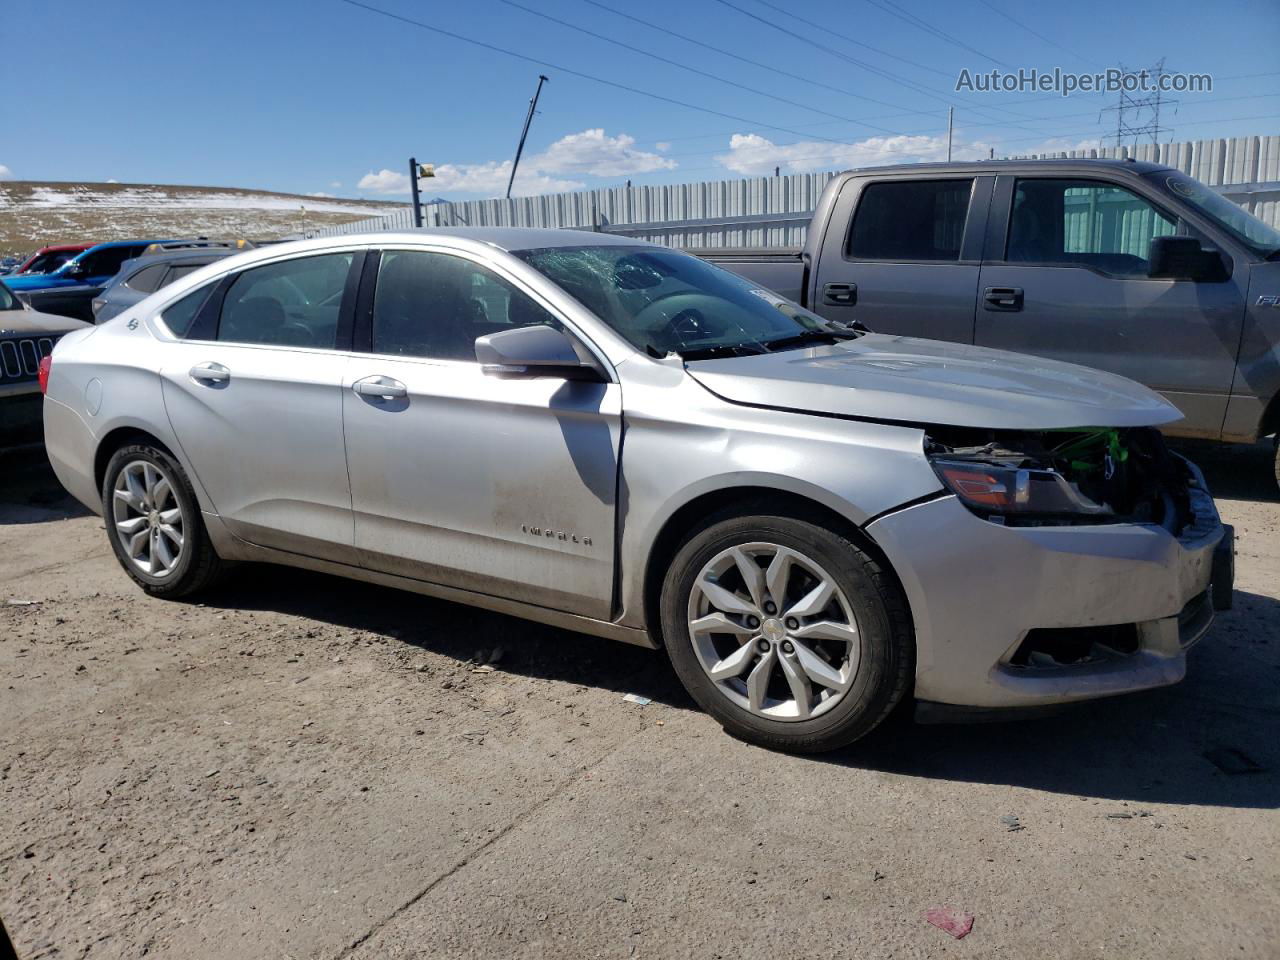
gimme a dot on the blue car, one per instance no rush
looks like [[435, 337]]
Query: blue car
[[70, 289]]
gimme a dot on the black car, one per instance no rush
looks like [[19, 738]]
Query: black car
[[158, 266], [26, 338]]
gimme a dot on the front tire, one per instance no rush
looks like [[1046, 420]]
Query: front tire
[[790, 634], [154, 524]]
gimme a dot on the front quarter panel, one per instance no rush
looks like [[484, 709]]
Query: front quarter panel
[[682, 442]]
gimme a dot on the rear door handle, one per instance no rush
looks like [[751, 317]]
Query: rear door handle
[[210, 373], [380, 388], [1002, 298], [840, 294]]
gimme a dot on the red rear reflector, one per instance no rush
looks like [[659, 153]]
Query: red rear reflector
[[46, 364]]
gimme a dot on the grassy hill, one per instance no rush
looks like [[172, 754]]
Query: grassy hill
[[34, 214]]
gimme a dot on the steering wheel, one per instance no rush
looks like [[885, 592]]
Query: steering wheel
[[680, 316]]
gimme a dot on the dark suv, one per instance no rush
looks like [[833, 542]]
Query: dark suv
[[158, 266], [26, 338]]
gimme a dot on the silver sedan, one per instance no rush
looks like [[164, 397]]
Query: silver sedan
[[814, 521]]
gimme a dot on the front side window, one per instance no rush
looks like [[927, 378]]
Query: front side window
[[663, 301], [435, 305], [1089, 223], [910, 220], [291, 303]]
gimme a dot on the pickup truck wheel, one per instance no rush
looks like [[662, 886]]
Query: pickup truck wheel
[[154, 525], [788, 633]]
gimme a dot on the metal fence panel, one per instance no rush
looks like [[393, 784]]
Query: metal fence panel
[[774, 211]]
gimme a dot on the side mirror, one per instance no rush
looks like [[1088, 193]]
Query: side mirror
[[75, 268], [1182, 258], [536, 351]]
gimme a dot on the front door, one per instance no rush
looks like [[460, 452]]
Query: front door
[[909, 263], [500, 486], [255, 399], [1070, 282]]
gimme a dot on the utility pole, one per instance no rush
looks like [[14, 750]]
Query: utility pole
[[951, 120], [413, 183], [533, 105]]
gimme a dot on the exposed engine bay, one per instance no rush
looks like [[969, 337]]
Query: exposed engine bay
[[1102, 475]]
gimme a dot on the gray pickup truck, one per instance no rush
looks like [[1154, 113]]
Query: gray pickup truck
[[1132, 268]]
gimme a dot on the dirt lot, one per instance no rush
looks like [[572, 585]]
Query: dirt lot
[[307, 767]]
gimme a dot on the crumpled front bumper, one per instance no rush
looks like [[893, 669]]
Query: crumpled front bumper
[[977, 588]]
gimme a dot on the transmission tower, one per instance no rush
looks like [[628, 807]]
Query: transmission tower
[[1139, 116]]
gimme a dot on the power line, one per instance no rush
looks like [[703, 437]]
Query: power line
[[869, 67], [755, 63], [571, 72], [1036, 33], [889, 7], [694, 70]]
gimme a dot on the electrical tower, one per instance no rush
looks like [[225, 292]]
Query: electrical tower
[[1139, 116]]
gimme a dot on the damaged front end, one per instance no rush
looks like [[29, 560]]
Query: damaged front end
[[1062, 477]]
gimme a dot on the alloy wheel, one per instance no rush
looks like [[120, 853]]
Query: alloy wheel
[[148, 518], [774, 631]]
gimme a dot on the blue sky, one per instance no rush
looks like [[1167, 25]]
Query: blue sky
[[323, 96]]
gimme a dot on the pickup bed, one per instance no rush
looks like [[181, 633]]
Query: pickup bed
[[1129, 267]]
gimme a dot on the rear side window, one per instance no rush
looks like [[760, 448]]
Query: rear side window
[[910, 220], [180, 271], [292, 303], [179, 316], [146, 280]]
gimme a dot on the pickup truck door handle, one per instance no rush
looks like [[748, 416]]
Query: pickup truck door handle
[[380, 388], [210, 374], [840, 294], [1002, 298]]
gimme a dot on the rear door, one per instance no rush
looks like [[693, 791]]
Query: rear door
[[254, 394], [499, 486], [1066, 278], [908, 260]]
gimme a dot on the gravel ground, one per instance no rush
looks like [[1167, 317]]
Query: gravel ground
[[307, 767]]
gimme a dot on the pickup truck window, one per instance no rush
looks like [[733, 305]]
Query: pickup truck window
[[1262, 239], [662, 301], [910, 220], [1086, 223]]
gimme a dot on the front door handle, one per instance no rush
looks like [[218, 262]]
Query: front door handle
[[1002, 298], [209, 374], [840, 294], [380, 388]]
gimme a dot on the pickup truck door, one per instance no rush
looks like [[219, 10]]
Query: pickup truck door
[[902, 253], [462, 478], [1065, 276]]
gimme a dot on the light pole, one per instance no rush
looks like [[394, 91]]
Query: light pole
[[418, 171], [533, 105]]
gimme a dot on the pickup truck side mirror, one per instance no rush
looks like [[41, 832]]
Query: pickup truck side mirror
[[75, 268], [1182, 258], [534, 351]]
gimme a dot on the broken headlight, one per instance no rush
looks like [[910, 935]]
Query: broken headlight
[[993, 488]]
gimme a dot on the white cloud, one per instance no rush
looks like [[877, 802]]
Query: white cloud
[[335, 184], [321, 194], [589, 153], [384, 181], [662, 146], [5, 173], [113, 180], [750, 153]]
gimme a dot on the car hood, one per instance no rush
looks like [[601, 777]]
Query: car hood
[[905, 380], [29, 322]]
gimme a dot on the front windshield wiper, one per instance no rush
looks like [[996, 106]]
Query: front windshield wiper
[[722, 350], [812, 336]]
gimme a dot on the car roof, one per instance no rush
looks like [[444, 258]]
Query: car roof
[[507, 238], [63, 248], [203, 254], [1138, 167], [120, 243]]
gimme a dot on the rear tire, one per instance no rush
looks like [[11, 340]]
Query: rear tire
[[790, 634], [154, 524]]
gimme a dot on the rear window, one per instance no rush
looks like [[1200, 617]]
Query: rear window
[[910, 220], [179, 316]]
